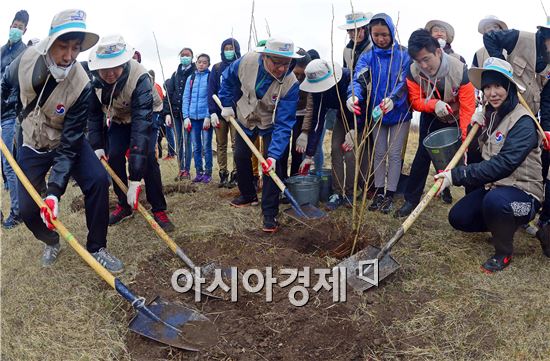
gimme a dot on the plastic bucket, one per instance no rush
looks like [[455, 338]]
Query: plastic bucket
[[442, 145], [305, 188], [326, 183]]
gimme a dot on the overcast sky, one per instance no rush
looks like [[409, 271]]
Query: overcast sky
[[204, 24]]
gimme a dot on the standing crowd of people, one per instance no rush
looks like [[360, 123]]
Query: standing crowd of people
[[63, 118]]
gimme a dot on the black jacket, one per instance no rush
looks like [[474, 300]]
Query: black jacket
[[520, 141], [74, 123], [9, 99], [141, 125], [174, 89]]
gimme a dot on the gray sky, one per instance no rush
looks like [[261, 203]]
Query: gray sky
[[203, 25]]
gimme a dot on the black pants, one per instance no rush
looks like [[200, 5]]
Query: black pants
[[499, 211], [245, 178], [421, 164], [92, 179], [119, 141], [296, 157]]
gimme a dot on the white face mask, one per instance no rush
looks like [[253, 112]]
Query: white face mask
[[58, 72], [442, 42]]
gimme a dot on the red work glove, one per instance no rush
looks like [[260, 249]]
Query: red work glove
[[50, 212], [546, 142], [268, 165]]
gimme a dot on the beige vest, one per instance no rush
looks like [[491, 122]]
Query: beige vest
[[452, 86], [348, 55], [121, 107], [252, 112], [43, 127], [523, 61], [528, 176]]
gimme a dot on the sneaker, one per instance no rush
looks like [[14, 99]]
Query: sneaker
[[164, 222], [270, 224], [496, 263], [387, 205], [168, 157], [107, 260], [183, 174], [12, 221], [405, 210], [242, 201], [446, 196], [198, 178], [376, 203], [334, 201], [543, 235], [206, 178], [50, 254], [119, 214]]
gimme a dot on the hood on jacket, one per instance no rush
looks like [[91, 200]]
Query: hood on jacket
[[389, 23], [237, 47]]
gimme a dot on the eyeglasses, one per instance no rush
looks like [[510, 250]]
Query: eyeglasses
[[279, 64]]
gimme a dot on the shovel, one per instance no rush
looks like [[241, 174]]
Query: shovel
[[368, 267], [304, 211], [169, 323], [205, 270]]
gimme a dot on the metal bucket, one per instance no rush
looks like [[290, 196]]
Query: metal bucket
[[326, 183], [305, 188], [442, 145]]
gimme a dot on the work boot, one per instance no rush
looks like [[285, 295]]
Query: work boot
[[334, 201], [496, 263], [387, 205], [376, 203], [224, 175], [543, 235], [232, 181], [164, 222], [242, 201], [270, 224], [446, 196], [50, 254], [119, 214], [405, 210], [12, 221], [107, 260]]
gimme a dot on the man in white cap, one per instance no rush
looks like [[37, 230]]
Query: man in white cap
[[264, 90], [124, 96], [359, 41], [329, 84], [508, 180], [54, 91], [445, 34], [486, 25]]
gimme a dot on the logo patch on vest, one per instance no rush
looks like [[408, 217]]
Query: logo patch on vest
[[60, 109], [274, 98], [499, 137]]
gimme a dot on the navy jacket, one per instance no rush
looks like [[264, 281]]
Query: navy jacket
[[216, 74], [174, 90], [323, 102], [230, 93], [9, 100]]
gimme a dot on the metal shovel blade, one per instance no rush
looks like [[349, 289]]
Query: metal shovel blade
[[361, 271], [197, 331], [309, 210]]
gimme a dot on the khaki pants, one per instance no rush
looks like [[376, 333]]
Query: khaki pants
[[222, 142]]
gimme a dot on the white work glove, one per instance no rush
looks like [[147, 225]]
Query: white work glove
[[353, 105], [301, 142], [478, 118], [228, 112], [447, 180], [206, 124], [214, 120], [348, 141], [386, 105], [269, 165], [51, 209], [304, 166], [187, 124], [442, 109], [168, 120], [132, 196], [100, 154]]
